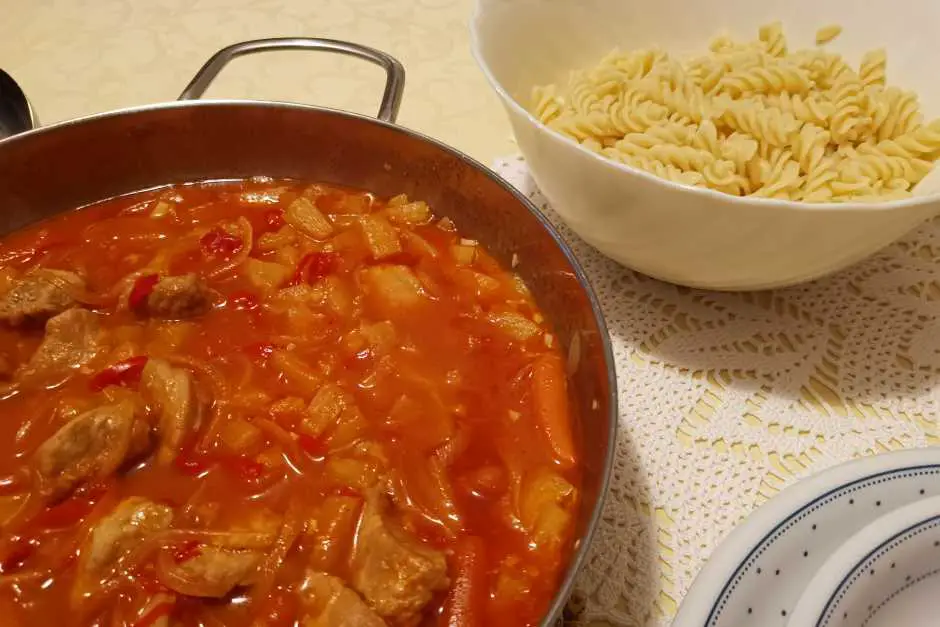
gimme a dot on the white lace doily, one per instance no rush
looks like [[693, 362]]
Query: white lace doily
[[727, 398]]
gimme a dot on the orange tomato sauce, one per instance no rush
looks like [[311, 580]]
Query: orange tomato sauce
[[460, 410]]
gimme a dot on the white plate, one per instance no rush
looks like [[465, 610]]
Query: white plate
[[880, 574], [756, 576]]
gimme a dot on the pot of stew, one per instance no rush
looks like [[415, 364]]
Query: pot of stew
[[268, 364]]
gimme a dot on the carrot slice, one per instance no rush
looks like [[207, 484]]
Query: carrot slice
[[465, 605], [550, 402]]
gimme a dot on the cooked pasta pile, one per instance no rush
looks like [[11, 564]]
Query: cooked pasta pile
[[751, 119]]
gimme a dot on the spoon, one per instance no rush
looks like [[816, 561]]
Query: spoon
[[16, 115]]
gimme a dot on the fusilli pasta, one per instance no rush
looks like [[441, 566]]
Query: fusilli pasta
[[751, 118]]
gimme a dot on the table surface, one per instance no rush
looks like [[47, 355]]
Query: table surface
[[78, 58], [743, 394]]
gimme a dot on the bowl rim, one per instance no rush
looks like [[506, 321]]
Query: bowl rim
[[581, 544], [688, 190], [831, 578]]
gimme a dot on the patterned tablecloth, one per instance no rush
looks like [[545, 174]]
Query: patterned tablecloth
[[77, 58], [727, 398]]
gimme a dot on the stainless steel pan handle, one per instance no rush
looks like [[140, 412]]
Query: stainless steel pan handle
[[394, 71]]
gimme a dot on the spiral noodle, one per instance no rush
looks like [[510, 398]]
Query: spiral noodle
[[751, 118], [774, 127], [827, 33], [850, 122], [660, 169], [775, 43], [594, 124], [781, 77], [901, 173], [872, 68], [779, 175], [548, 105], [809, 147], [893, 112], [739, 149], [817, 184], [923, 141], [686, 99], [808, 108]]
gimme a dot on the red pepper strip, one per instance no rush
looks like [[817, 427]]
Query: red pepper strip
[[126, 373], [246, 469], [274, 219], [313, 446], [220, 243], [187, 551], [345, 490], [466, 600], [315, 266], [158, 611], [20, 549], [141, 291]]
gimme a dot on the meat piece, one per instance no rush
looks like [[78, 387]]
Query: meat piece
[[395, 574], [93, 445], [214, 571], [178, 297], [327, 602], [232, 559], [117, 534], [39, 296], [170, 392], [72, 339]]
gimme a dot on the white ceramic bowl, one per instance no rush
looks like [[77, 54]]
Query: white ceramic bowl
[[884, 575], [692, 236]]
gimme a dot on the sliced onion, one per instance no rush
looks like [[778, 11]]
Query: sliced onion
[[280, 435], [242, 540], [290, 531], [23, 577]]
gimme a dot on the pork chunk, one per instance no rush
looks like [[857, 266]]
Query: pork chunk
[[178, 297], [39, 296], [93, 445], [72, 339], [327, 602], [215, 571], [117, 534], [172, 394], [231, 560], [395, 574]]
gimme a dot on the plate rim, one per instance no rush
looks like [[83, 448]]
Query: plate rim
[[699, 605], [855, 553]]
